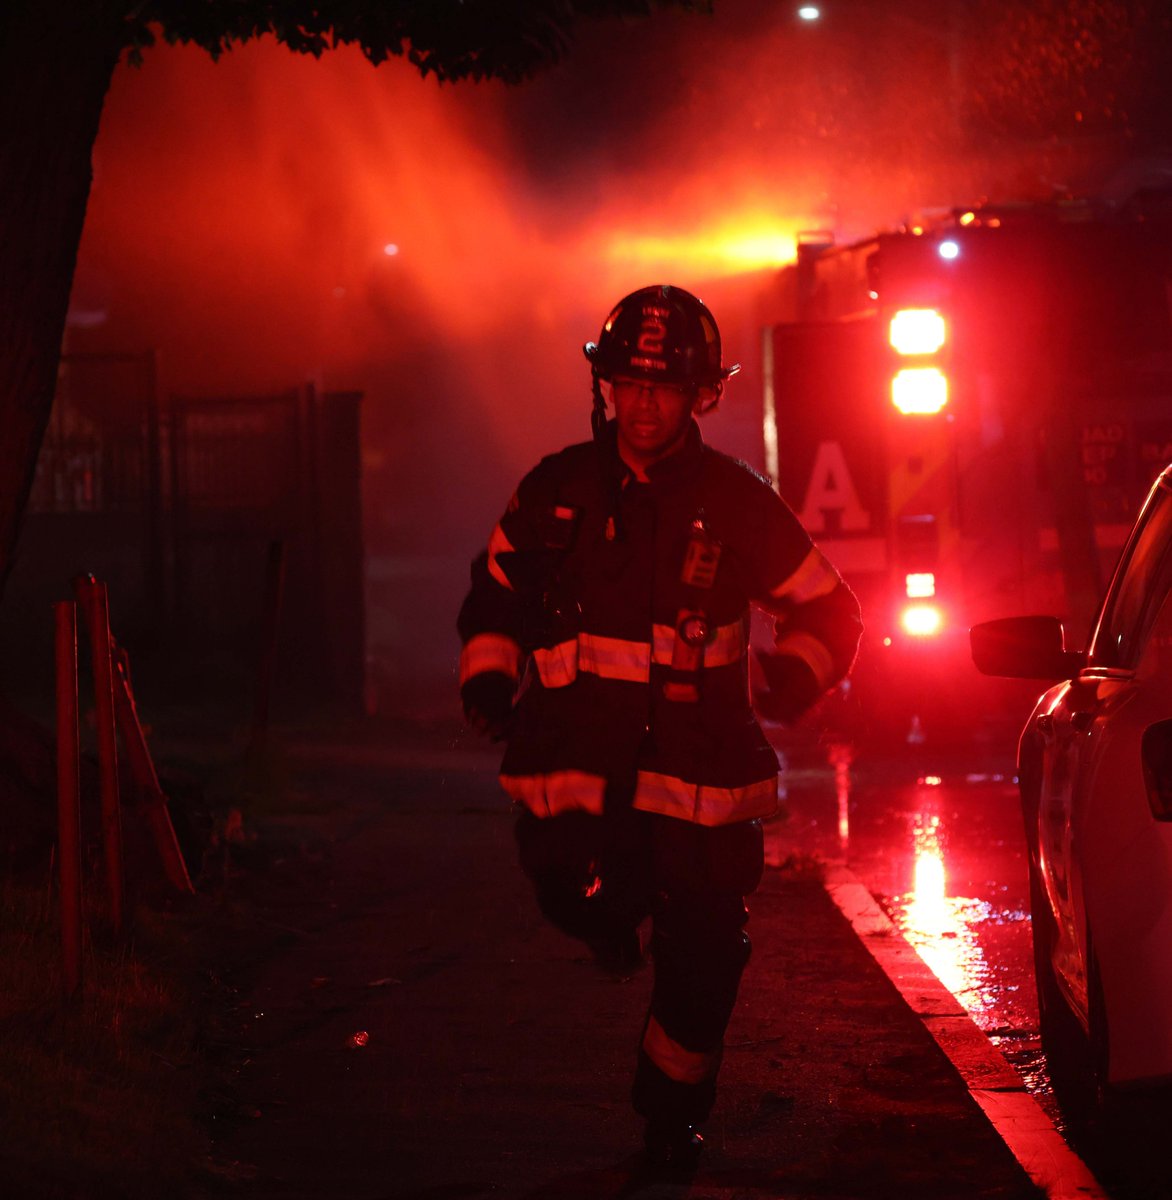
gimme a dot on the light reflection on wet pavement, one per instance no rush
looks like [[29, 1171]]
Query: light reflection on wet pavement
[[944, 855]]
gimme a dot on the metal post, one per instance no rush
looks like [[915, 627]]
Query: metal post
[[68, 795], [96, 605], [769, 409], [274, 586], [142, 771], [155, 558]]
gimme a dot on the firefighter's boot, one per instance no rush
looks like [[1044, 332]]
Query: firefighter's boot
[[672, 1146]]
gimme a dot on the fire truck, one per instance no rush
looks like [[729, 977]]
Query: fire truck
[[966, 412]]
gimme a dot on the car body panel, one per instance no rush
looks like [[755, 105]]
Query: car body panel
[[1103, 860], [1127, 867]]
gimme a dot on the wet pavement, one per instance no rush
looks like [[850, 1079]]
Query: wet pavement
[[942, 849], [937, 842], [409, 1027]]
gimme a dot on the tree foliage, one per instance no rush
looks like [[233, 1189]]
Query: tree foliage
[[56, 61], [450, 39], [1067, 68]]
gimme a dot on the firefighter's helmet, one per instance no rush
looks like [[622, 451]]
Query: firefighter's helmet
[[662, 333]]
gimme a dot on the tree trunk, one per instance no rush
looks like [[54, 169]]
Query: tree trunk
[[56, 61]]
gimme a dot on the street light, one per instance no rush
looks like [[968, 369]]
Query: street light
[[946, 33]]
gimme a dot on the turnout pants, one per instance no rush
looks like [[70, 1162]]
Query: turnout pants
[[597, 878]]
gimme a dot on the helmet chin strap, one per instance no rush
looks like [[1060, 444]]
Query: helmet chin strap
[[716, 391], [612, 471], [598, 415]]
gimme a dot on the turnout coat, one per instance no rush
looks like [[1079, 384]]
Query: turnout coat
[[621, 611]]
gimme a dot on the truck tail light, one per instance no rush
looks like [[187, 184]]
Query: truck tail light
[[917, 331], [919, 390], [921, 620], [920, 585]]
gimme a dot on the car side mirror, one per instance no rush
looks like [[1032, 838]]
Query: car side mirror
[[1024, 648]]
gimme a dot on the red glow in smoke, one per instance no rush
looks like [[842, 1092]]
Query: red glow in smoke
[[242, 210]]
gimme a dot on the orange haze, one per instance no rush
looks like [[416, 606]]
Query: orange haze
[[272, 219]]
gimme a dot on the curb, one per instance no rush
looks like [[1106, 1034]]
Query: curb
[[996, 1087]]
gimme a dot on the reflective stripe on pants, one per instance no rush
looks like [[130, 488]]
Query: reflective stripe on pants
[[676, 1061]]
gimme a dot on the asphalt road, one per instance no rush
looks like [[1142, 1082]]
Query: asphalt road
[[943, 850], [406, 1026], [939, 844]]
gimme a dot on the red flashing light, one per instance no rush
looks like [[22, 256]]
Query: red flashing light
[[919, 390], [917, 331], [921, 620]]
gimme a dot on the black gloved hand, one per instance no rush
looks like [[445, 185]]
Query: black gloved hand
[[791, 688], [488, 703]]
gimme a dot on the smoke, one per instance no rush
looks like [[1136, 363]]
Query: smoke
[[271, 219]]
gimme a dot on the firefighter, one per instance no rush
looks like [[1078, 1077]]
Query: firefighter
[[605, 639]]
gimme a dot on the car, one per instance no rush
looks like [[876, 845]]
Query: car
[[1095, 774]]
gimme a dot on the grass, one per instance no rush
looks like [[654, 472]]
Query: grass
[[100, 1095], [113, 1095]]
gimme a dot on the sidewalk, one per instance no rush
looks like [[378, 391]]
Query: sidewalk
[[415, 1031]]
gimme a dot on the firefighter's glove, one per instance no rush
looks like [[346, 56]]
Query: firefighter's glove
[[488, 703], [790, 688]]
